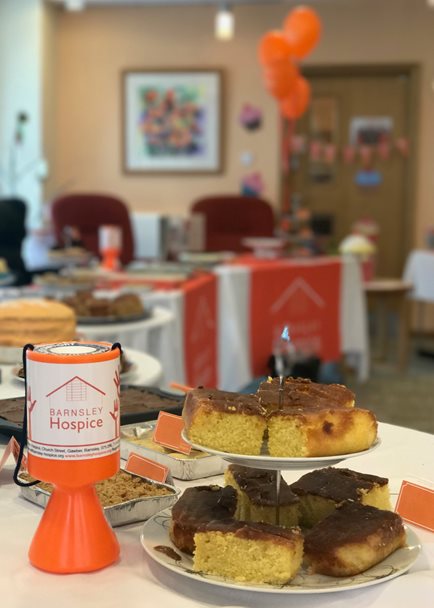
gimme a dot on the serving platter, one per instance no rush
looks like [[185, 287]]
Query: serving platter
[[113, 319], [155, 533], [264, 461]]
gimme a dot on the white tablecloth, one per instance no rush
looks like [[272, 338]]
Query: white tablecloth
[[146, 371], [136, 582], [152, 336], [419, 270]]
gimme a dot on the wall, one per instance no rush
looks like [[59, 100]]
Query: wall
[[21, 91], [93, 48]]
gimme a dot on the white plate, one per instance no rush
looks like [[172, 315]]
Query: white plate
[[276, 463], [156, 532], [205, 257]]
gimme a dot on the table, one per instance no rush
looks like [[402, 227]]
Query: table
[[152, 336], [383, 296], [147, 371], [214, 332], [419, 271], [136, 582]]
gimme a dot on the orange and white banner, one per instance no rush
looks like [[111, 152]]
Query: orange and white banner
[[305, 297], [200, 331]]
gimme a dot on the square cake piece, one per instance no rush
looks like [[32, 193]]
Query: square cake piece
[[301, 392], [323, 490], [224, 421], [306, 432], [352, 539], [257, 496], [248, 552]]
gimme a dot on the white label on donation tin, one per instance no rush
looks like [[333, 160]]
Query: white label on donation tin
[[73, 410]]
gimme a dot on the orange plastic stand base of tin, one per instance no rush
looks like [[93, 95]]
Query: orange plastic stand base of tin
[[73, 535]]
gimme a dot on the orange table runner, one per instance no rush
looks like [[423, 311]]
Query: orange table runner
[[200, 330]]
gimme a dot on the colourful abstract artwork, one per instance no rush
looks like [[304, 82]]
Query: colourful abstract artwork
[[172, 121]]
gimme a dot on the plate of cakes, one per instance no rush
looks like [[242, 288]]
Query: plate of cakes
[[94, 309], [302, 424], [331, 530]]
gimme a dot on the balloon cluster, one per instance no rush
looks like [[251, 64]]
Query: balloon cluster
[[278, 53]]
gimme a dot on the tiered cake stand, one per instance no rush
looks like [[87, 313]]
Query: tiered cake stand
[[155, 534]]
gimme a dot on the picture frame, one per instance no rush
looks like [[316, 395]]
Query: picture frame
[[172, 121]]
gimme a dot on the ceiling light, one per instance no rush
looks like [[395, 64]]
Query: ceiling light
[[74, 5], [224, 23]]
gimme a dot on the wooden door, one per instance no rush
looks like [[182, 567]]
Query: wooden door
[[342, 107]]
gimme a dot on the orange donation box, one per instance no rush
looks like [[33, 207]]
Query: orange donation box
[[73, 411]]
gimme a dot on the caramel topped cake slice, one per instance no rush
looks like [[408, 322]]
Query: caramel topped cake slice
[[323, 490], [197, 505], [311, 431], [301, 392], [257, 497], [352, 539], [248, 552], [220, 420]]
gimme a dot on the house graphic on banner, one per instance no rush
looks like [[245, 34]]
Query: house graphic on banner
[[76, 390], [302, 308], [298, 299]]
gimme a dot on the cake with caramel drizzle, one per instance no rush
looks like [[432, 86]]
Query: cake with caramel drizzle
[[352, 539], [257, 496], [301, 419], [321, 491], [224, 421]]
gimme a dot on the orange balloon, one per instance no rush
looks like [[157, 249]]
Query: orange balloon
[[302, 29], [280, 78], [273, 46], [296, 103]]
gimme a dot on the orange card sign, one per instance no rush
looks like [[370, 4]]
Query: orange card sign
[[13, 447], [139, 465], [168, 433], [416, 505]]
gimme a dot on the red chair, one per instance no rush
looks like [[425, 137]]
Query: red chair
[[88, 212], [229, 219]]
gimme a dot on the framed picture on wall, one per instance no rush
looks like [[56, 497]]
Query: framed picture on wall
[[172, 121]]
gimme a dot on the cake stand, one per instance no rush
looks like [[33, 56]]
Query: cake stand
[[278, 464]]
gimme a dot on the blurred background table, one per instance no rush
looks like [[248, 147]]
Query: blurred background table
[[151, 335]]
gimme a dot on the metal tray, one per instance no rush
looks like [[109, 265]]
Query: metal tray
[[138, 509], [195, 465], [174, 405]]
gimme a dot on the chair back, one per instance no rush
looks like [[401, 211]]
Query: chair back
[[12, 232], [231, 218], [90, 211]]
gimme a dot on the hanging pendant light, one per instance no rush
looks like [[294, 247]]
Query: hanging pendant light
[[224, 23]]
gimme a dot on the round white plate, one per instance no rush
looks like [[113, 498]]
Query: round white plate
[[155, 532], [276, 463]]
